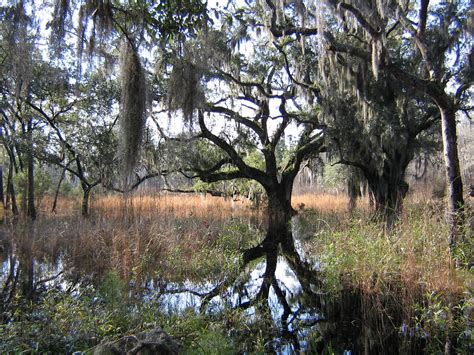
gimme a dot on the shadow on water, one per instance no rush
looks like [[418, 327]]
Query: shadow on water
[[276, 286]]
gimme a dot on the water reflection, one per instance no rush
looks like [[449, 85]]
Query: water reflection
[[277, 286], [24, 277]]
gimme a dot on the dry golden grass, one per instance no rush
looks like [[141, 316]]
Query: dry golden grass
[[177, 206], [324, 203], [149, 236], [141, 239]]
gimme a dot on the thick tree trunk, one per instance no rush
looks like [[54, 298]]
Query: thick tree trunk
[[353, 191], [279, 213], [455, 201], [389, 190]]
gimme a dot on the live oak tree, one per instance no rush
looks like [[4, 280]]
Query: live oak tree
[[436, 62], [380, 137], [424, 47], [242, 104], [369, 124]]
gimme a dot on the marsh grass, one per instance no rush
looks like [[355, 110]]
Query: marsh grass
[[414, 253], [409, 268], [174, 238], [169, 237], [170, 233]]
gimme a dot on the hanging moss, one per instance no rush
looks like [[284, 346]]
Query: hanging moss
[[185, 91], [132, 113]]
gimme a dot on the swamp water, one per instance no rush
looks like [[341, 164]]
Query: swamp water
[[292, 314]]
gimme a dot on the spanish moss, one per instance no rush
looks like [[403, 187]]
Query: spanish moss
[[132, 114]]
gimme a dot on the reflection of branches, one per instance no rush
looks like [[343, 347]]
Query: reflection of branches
[[292, 335], [215, 292], [9, 288]]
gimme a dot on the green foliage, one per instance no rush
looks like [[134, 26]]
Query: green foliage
[[334, 175], [438, 319], [238, 235], [66, 322], [364, 255], [60, 322], [43, 183], [67, 188], [409, 266], [199, 334], [112, 290], [255, 160]]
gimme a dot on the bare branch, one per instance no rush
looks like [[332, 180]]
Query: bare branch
[[238, 118], [244, 169]]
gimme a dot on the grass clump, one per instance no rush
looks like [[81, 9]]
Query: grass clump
[[415, 254], [408, 270]]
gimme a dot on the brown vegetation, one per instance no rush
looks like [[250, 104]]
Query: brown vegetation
[[169, 235]]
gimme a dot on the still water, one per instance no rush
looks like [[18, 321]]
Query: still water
[[305, 318]]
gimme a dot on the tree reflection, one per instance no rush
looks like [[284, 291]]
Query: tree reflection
[[309, 319]]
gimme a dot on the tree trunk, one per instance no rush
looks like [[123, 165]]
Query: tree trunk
[[26, 267], [2, 195], [56, 194], [279, 213], [85, 201], [24, 197], [455, 206], [11, 189], [26, 262], [31, 210], [389, 190], [353, 190]]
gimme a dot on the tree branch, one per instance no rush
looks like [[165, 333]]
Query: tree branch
[[244, 169], [306, 146], [238, 118], [359, 17], [281, 31], [423, 15]]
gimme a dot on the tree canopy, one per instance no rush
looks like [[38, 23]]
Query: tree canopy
[[116, 93]]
